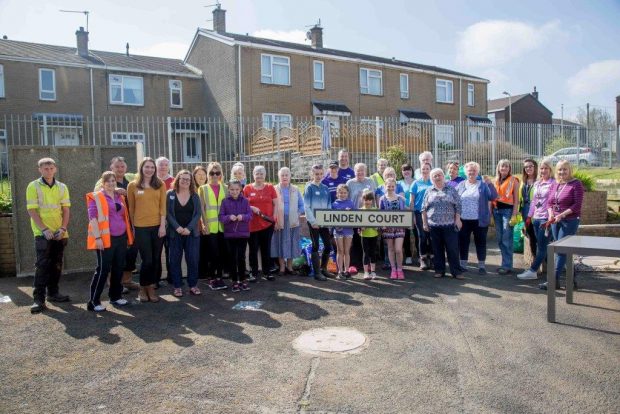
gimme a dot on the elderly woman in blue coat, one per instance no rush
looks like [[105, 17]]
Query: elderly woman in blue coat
[[476, 194]]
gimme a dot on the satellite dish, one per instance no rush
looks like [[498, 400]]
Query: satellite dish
[[308, 35]]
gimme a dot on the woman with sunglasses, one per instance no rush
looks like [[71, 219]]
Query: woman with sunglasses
[[526, 193], [183, 206], [200, 178], [263, 202], [211, 196]]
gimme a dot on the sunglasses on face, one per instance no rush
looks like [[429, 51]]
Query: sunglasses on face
[[212, 173]]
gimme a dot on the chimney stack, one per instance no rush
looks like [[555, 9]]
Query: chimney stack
[[535, 94], [316, 36], [219, 19], [127, 49], [82, 42]]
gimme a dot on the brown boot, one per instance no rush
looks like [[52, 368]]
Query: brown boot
[[128, 283], [143, 295], [150, 290]]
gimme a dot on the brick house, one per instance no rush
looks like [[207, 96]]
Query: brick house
[[526, 108], [276, 81], [75, 96]]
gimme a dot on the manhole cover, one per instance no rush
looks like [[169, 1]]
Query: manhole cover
[[331, 341]]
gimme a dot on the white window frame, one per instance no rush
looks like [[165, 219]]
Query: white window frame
[[197, 138], [318, 83], [365, 75], [404, 93], [267, 77], [2, 91], [41, 90], [272, 120], [174, 89], [449, 86], [127, 138], [444, 134], [471, 95], [122, 83]]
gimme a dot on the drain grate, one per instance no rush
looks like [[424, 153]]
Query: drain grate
[[331, 341]]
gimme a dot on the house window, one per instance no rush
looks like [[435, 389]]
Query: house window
[[127, 138], [176, 93], [444, 134], [192, 151], [275, 70], [371, 82], [444, 91], [319, 75], [470, 94], [277, 120], [404, 86], [126, 90], [1, 81], [47, 84], [476, 134]]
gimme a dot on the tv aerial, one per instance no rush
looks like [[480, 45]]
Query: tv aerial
[[84, 12], [309, 33]]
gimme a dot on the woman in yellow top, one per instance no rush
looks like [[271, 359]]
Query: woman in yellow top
[[146, 196], [505, 210]]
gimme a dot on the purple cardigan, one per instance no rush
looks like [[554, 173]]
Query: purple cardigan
[[565, 196], [236, 229]]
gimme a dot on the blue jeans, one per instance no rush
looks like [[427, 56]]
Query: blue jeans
[[541, 243], [191, 246], [504, 234], [560, 230]]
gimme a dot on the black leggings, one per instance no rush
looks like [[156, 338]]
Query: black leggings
[[369, 246], [324, 234], [236, 254], [480, 239], [214, 255], [150, 246], [261, 240]]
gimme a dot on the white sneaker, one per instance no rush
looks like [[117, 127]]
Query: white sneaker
[[527, 275], [119, 302], [408, 261], [99, 308], [367, 276], [373, 275]]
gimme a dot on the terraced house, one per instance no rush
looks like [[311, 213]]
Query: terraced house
[[57, 95], [278, 82]]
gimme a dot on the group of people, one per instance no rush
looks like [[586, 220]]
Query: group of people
[[211, 222]]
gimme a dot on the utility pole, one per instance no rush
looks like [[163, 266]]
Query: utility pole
[[562, 123]]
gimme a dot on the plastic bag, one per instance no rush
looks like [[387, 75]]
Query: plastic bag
[[517, 237]]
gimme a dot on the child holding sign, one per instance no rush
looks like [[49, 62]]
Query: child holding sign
[[369, 237], [343, 235], [394, 236]]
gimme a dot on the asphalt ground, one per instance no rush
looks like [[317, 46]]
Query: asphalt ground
[[482, 345]]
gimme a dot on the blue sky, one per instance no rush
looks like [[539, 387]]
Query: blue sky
[[568, 49]]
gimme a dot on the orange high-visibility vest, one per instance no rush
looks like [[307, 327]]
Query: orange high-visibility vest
[[505, 190], [103, 221]]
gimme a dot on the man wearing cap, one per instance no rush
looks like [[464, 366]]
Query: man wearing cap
[[48, 206], [333, 179]]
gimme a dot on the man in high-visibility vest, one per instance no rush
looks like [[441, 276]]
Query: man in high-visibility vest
[[48, 206]]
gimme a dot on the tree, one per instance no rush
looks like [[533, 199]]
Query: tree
[[601, 127], [396, 156]]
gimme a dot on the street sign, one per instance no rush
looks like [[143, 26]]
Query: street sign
[[364, 218]]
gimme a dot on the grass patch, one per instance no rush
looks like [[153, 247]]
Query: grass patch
[[602, 173]]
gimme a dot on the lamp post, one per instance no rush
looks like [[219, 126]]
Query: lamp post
[[509, 113]]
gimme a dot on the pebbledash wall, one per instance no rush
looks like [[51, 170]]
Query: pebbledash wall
[[79, 168]]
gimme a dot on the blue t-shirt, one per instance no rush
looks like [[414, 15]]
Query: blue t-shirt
[[418, 189], [343, 205], [332, 183], [406, 190], [346, 173]]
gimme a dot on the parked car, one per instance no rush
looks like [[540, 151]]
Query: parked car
[[586, 156]]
